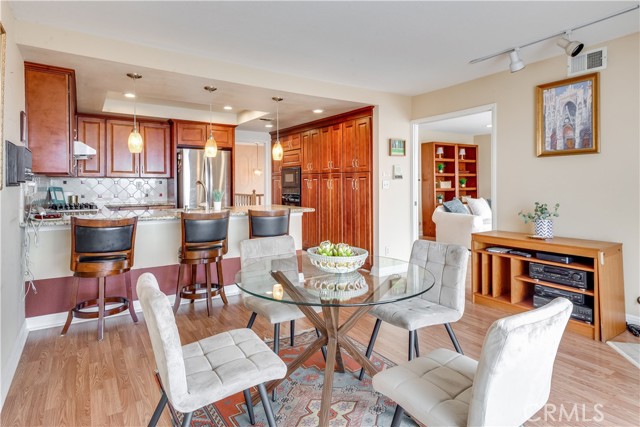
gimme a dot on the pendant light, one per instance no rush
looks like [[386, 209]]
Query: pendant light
[[257, 170], [277, 151], [211, 147], [135, 139]]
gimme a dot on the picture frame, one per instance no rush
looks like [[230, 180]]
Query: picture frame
[[23, 128], [397, 147], [567, 116]]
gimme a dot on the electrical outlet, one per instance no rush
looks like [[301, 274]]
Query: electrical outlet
[[387, 250], [138, 185]]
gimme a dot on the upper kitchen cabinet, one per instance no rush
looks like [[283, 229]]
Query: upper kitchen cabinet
[[311, 158], [356, 145], [92, 131], [331, 148], [153, 162], [50, 99], [195, 134]]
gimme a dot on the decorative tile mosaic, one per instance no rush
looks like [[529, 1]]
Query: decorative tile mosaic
[[106, 190]]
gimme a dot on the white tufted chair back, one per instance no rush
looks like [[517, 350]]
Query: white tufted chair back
[[165, 339], [448, 264], [513, 379]]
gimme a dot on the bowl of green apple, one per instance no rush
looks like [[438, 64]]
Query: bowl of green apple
[[337, 257]]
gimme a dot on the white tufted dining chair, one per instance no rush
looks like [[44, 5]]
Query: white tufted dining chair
[[506, 387], [208, 370]]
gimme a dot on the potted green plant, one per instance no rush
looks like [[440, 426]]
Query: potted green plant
[[440, 167], [217, 199], [439, 198], [542, 218], [463, 182]]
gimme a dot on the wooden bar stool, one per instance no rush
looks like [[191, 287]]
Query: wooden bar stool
[[204, 241], [268, 223], [101, 248]]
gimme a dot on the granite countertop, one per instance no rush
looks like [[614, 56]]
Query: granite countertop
[[158, 214]]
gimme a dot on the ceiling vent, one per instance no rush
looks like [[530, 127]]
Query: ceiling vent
[[586, 62]]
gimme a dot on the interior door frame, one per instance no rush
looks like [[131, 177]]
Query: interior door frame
[[415, 162]]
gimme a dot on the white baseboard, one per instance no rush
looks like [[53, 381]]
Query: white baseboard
[[631, 318], [9, 369], [58, 319]]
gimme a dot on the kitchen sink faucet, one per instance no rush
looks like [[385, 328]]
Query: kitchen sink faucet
[[206, 194]]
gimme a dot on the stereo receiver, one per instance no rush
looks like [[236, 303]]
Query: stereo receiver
[[580, 312], [546, 291], [561, 275]]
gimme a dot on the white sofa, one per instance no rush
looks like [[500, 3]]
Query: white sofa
[[456, 228]]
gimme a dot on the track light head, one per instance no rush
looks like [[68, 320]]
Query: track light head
[[571, 48], [516, 63]]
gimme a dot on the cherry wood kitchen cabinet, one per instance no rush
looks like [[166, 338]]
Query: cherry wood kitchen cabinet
[[50, 98], [291, 158], [331, 148], [155, 159], [311, 154], [92, 131], [310, 198], [357, 211], [276, 189], [331, 203], [195, 134], [356, 145]]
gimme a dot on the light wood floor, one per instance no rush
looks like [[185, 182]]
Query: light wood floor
[[78, 381]]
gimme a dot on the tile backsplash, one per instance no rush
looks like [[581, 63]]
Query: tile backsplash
[[103, 191]]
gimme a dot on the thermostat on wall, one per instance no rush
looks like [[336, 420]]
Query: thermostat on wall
[[397, 172]]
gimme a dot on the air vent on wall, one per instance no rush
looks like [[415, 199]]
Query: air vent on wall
[[587, 62]]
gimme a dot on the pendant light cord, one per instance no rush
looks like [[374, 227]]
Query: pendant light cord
[[135, 96]]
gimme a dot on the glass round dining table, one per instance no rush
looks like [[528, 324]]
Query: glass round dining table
[[289, 279]]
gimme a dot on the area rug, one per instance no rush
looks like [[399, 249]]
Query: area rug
[[628, 350], [354, 403]]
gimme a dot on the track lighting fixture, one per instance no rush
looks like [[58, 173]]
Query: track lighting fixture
[[277, 152], [516, 63], [571, 48]]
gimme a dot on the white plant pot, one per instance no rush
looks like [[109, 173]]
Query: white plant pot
[[544, 228], [217, 206]]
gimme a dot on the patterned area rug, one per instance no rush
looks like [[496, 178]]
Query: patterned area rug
[[354, 402]]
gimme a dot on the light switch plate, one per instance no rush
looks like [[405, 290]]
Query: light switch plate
[[385, 184]]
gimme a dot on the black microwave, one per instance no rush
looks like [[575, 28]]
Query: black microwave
[[290, 179]]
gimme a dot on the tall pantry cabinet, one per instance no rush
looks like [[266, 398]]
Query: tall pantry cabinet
[[336, 157]]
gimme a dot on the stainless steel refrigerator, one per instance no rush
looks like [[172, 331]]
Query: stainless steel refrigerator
[[213, 172]]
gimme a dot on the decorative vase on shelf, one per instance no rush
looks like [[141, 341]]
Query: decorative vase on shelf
[[217, 206], [544, 228]]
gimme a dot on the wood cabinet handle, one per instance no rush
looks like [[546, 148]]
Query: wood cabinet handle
[[357, 163]]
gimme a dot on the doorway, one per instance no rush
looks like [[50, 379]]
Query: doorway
[[474, 126]]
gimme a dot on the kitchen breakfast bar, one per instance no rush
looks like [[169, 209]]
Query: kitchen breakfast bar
[[157, 240]]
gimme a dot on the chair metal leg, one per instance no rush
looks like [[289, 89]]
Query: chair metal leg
[[247, 399], [292, 327], [176, 304], [372, 341], [267, 406], [397, 416], [251, 320], [223, 296], [74, 301], [101, 283], [127, 281], [454, 340], [324, 347], [158, 412], [417, 344], [412, 345], [186, 421], [276, 350]]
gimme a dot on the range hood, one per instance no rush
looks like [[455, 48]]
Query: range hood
[[82, 151]]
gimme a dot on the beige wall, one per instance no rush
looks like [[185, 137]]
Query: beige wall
[[598, 193], [12, 318], [244, 164]]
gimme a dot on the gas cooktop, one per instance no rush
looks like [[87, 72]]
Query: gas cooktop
[[87, 208]]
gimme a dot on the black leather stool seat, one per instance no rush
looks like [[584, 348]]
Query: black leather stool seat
[[268, 223], [101, 248]]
